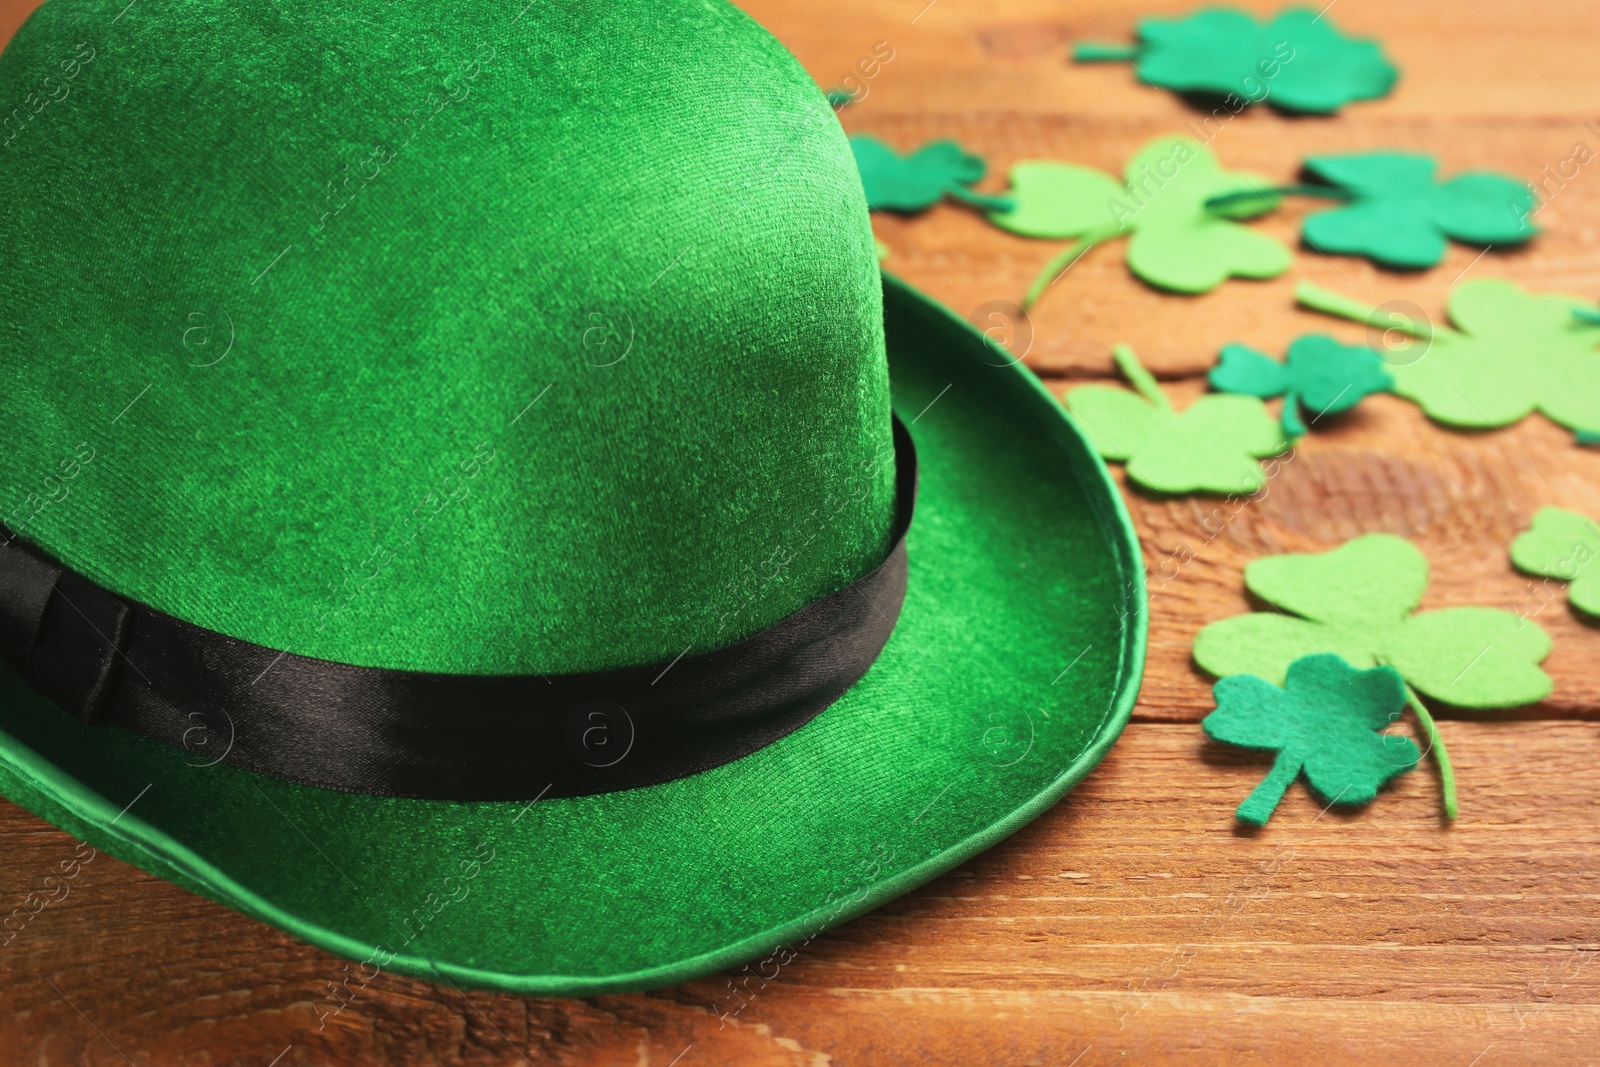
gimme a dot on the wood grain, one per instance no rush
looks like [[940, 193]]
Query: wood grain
[[1133, 923]]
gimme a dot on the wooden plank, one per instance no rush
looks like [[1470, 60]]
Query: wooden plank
[[1133, 918], [1461, 497], [997, 81]]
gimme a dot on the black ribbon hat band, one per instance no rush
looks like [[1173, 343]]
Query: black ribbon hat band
[[443, 736]]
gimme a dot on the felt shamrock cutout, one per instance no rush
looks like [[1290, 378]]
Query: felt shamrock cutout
[[1323, 724], [1513, 352], [1563, 544], [908, 184], [1298, 62], [1177, 242], [1210, 446], [1358, 601], [1400, 216], [1320, 373]]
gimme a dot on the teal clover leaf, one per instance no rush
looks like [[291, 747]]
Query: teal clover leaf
[[1400, 215], [1299, 62], [912, 183], [1319, 373], [1323, 725]]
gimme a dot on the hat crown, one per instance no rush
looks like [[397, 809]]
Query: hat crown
[[439, 336]]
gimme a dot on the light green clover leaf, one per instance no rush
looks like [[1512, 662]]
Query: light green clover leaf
[[1357, 601], [1211, 446], [1513, 352], [1176, 242], [1563, 544]]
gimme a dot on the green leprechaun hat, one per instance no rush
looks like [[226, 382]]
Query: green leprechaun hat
[[456, 512]]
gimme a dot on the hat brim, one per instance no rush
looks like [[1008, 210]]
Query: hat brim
[[1013, 668]]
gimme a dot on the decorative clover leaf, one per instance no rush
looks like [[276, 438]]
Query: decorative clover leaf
[[1400, 216], [1357, 601], [1177, 242], [1299, 62], [916, 182], [1563, 544], [1513, 352], [1323, 723], [1320, 373], [1211, 446]]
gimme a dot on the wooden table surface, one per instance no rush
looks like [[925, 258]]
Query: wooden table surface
[[1132, 923]]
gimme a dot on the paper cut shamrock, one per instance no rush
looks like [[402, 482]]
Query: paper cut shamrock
[[1298, 62], [1323, 724], [1400, 216], [1210, 446], [1563, 544], [1514, 352], [1358, 601], [1177, 242], [908, 184], [1320, 373]]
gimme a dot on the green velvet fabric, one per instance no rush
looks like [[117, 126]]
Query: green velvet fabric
[[1012, 670], [459, 337], [295, 273]]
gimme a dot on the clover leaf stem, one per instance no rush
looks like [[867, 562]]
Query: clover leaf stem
[[1142, 379], [1222, 201], [1331, 303], [1258, 807], [1589, 437], [1067, 257], [1292, 426], [1589, 315], [982, 201], [1095, 52], [1447, 774]]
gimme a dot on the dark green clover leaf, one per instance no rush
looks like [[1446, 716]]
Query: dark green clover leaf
[[1320, 373], [1401, 216], [1298, 62], [908, 184], [1323, 724], [1359, 601]]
